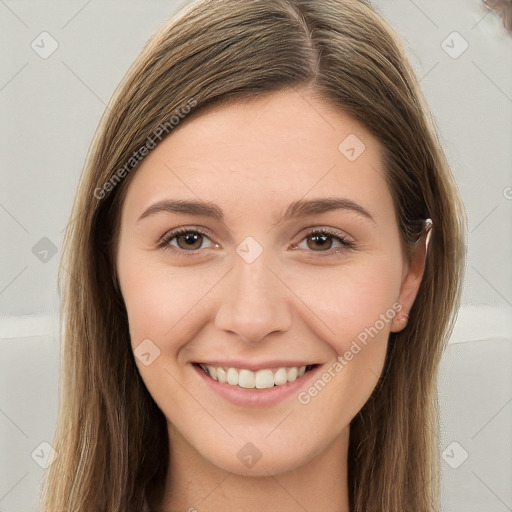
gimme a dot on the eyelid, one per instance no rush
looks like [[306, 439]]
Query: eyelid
[[335, 232], [345, 240], [165, 241]]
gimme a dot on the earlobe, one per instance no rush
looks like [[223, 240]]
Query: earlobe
[[427, 231], [399, 322], [412, 279]]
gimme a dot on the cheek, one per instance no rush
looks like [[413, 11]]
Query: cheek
[[351, 302], [161, 300], [353, 308], [338, 304]]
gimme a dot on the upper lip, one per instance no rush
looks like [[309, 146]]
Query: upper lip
[[274, 364]]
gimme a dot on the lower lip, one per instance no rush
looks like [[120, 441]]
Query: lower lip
[[256, 397]]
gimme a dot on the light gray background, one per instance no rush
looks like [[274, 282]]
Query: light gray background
[[49, 111]]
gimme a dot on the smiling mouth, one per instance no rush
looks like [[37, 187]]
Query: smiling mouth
[[260, 379]]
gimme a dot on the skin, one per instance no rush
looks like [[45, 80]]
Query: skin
[[252, 160]]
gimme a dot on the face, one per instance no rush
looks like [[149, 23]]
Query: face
[[261, 267]]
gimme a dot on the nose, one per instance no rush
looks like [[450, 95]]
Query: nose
[[255, 303]]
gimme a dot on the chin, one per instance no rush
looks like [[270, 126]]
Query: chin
[[269, 463]]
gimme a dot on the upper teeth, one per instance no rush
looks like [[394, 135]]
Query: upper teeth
[[260, 379]]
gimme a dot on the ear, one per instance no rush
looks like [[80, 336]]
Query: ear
[[411, 279]]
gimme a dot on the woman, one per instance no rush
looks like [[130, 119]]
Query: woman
[[263, 268]]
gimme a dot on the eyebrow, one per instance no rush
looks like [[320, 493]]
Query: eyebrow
[[300, 208]]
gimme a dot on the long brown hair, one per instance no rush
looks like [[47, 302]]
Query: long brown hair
[[111, 437]]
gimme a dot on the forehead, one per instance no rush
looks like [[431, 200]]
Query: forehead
[[264, 154]]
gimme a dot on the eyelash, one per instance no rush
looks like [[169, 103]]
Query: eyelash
[[165, 241]]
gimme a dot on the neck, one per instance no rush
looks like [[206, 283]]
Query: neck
[[194, 484]]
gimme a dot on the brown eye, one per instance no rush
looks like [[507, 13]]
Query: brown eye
[[185, 240], [189, 241], [326, 242], [320, 242]]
